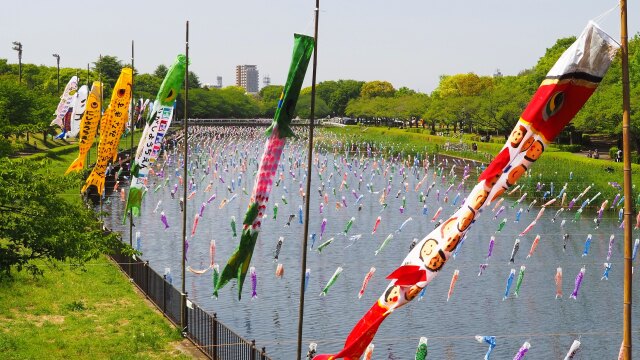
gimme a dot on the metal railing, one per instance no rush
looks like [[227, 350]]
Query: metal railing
[[211, 336], [243, 122]]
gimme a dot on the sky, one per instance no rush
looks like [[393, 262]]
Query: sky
[[406, 42]]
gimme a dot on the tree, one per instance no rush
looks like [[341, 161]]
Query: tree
[[161, 71], [109, 68], [147, 86], [403, 91], [35, 224], [377, 88], [194, 81], [346, 90], [269, 96], [303, 107], [468, 84]]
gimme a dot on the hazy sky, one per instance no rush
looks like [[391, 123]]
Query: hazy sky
[[407, 42]]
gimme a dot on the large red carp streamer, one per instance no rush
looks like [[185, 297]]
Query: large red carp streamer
[[566, 88]]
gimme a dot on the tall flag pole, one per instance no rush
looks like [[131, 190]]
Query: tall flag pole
[[133, 70], [305, 236], [183, 305], [566, 88], [626, 310], [100, 124]]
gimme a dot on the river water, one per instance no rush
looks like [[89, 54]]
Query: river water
[[476, 306]]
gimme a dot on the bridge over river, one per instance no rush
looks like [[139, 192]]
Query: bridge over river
[[243, 122]]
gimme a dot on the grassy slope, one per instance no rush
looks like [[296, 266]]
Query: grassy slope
[[554, 166], [77, 314]]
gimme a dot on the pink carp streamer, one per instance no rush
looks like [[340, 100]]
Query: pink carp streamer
[[558, 279], [454, 279], [365, 282]]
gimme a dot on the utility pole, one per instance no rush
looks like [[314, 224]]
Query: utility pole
[[18, 47], [58, 63]]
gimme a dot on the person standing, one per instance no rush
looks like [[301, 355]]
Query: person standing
[[619, 155]]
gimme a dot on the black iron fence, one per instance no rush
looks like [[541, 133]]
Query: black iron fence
[[212, 337]]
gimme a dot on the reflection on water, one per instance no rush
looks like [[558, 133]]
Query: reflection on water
[[476, 307]]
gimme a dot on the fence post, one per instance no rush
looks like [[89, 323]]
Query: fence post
[[146, 279], [164, 295], [183, 315], [215, 335], [253, 349], [263, 355]]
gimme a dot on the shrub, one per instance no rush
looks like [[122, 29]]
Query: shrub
[[570, 148], [612, 152], [586, 139]]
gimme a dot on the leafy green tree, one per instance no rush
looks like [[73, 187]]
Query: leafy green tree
[[109, 68], [468, 84], [37, 225], [161, 71], [194, 81], [146, 86], [269, 96], [346, 90], [303, 107], [377, 88], [403, 91]]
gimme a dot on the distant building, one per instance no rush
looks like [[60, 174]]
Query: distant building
[[247, 77], [219, 82], [497, 74], [266, 81]]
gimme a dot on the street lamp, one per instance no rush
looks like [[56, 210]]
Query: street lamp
[[58, 62], [18, 47]]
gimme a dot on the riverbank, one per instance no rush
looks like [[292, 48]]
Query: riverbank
[[555, 166], [81, 311]]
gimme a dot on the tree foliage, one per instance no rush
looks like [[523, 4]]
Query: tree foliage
[[377, 88], [36, 224]]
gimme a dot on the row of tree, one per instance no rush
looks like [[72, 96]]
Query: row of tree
[[468, 102], [493, 104]]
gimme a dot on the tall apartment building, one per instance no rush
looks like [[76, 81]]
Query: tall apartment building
[[247, 77]]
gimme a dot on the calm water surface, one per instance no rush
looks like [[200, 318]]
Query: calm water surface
[[476, 306]]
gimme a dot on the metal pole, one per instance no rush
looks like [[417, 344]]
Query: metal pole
[[308, 190], [100, 123], [18, 47], [57, 56], [626, 310], [131, 143], [183, 317], [20, 64]]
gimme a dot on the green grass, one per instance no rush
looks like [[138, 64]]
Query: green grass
[[554, 165], [36, 143], [78, 314]]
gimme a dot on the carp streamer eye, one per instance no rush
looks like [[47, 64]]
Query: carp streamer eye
[[553, 105], [171, 95]]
